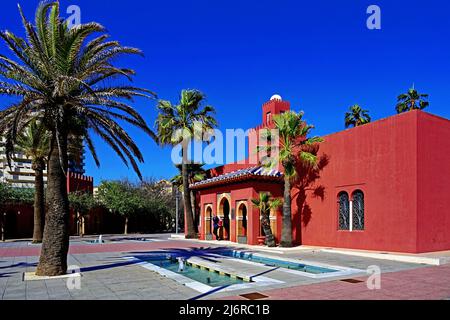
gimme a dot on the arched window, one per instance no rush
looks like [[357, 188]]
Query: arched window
[[268, 117], [358, 210], [344, 211]]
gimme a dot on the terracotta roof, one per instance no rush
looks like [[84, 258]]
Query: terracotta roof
[[239, 175]]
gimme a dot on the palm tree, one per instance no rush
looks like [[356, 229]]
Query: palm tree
[[180, 124], [411, 100], [293, 149], [58, 73], [34, 143], [356, 116], [195, 173], [265, 205]]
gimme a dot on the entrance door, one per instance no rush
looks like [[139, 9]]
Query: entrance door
[[208, 222], [241, 223], [225, 207]]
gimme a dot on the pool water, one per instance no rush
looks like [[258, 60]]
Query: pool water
[[278, 262], [207, 277]]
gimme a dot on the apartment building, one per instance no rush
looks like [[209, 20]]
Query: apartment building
[[21, 175]]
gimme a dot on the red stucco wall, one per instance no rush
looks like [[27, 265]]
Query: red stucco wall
[[77, 182], [405, 179], [433, 200], [21, 225]]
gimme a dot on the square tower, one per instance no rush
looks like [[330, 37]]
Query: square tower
[[273, 107]]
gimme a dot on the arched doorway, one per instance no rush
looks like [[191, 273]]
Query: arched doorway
[[242, 223], [225, 214], [208, 222]]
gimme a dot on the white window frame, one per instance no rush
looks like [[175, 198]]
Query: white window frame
[[350, 219]]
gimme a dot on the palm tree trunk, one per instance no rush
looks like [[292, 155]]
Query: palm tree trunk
[[190, 232], [39, 205], [270, 239], [194, 210], [125, 231], [55, 244], [286, 232]]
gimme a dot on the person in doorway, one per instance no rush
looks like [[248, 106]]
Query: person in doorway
[[226, 228], [216, 221]]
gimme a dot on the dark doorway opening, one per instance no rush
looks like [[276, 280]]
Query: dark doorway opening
[[226, 219]]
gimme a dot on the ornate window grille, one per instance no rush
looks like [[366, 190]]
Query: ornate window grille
[[358, 210], [344, 211]]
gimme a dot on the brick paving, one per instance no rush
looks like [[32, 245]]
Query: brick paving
[[429, 283], [28, 251]]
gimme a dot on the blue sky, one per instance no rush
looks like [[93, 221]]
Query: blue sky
[[319, 55]]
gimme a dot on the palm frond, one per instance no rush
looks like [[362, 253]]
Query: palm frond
[[60, 74]]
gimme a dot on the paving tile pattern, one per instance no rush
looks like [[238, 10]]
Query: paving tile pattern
[[106, 275]]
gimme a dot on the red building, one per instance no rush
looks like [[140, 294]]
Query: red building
[[381, 186], [19, 219], [79, 183]]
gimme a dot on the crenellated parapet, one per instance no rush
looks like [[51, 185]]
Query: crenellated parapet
[[78, 182]]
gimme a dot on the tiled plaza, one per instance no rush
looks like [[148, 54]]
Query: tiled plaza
[[107, 274]]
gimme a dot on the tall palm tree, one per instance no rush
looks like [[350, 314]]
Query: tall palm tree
[[179, 124], [356, 116], [265, 204], [65, 75], [411, 100], [293, 149], [34, 143], [195, 173]]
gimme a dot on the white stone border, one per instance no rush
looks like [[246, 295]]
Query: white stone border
[[387, 256], [341, 271], [31, 276]]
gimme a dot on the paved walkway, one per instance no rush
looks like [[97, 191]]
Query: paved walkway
[[76, 248], [107, 275], [430, 283]]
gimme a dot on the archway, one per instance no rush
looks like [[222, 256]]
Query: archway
[[241, 224], [208, 222], [225, 213]]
